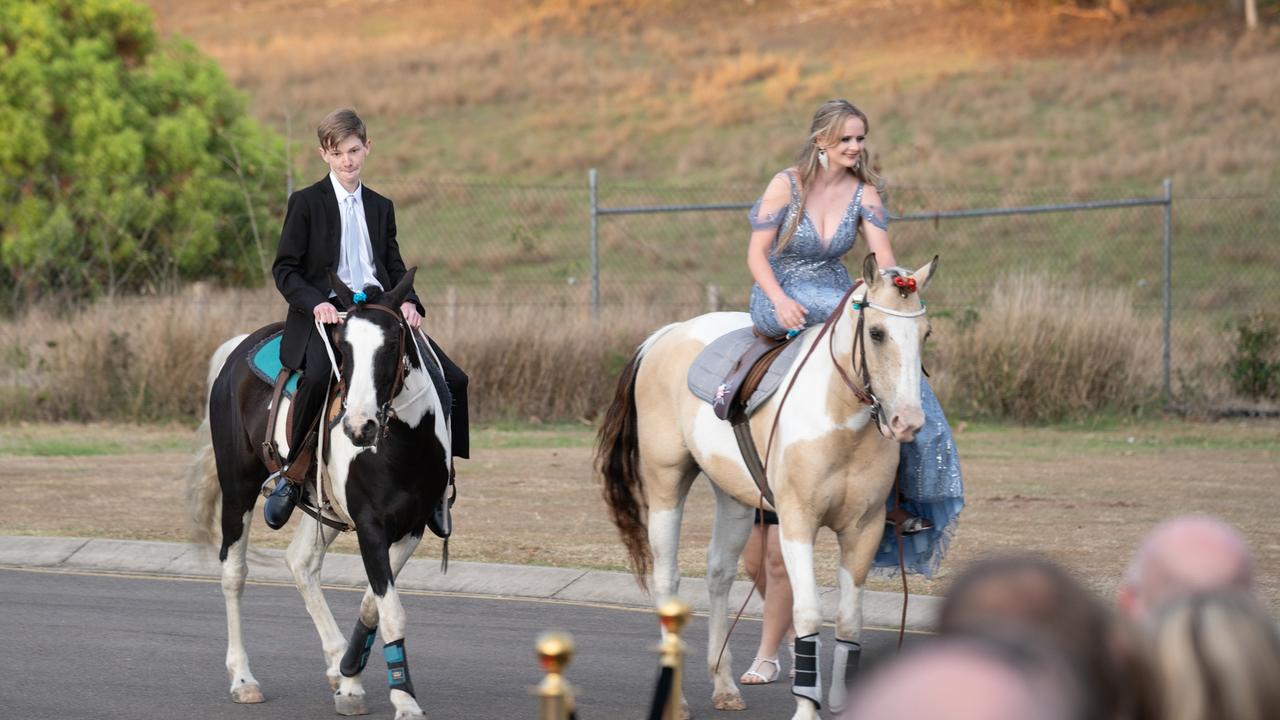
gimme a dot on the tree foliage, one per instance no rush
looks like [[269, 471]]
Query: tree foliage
[[128, 161]]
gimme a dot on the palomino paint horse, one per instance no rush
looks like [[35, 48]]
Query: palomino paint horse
[[832, 464], [388, 470]]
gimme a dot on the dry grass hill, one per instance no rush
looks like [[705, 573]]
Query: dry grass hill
[[960, 93]]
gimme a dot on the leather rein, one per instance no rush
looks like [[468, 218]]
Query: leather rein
[[864, 394]]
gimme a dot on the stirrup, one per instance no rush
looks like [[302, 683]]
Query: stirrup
[[913, 524], [273, 480]]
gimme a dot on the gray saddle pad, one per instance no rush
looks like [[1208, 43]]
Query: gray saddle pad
[[713, 364]]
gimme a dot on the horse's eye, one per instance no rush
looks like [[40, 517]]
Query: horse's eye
[[877, 334]]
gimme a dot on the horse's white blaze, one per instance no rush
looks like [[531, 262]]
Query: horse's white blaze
[[904, 333], [365, 339]]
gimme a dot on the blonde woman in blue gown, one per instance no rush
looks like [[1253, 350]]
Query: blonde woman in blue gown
[[808, 219]]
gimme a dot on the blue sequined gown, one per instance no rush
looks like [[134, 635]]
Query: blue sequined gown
[[810, 272]]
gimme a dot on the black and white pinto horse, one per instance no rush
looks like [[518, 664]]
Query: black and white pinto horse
[[388, 458]]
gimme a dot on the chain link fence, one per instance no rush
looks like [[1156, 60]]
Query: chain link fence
[[495, 245]]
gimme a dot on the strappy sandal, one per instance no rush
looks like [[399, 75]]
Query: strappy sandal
[[753, 676]]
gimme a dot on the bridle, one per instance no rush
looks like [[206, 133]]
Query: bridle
[[387, 410], [865, 394]]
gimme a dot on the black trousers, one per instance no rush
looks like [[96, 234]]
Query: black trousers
[[316, 370]]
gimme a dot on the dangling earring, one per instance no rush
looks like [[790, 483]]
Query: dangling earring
[[822, 159]]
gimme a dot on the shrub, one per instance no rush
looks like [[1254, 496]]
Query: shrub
[[129, 163], [1255, 362]]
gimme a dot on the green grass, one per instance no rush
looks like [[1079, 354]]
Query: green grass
[[75, 440], [1097, 435], [1117, 435]]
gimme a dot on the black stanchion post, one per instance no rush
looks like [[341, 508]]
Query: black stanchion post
[[674, 615]]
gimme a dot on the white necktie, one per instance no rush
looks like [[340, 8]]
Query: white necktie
[[353, 246]]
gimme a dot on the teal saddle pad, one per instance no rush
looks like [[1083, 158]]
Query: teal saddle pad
[[265, 361]]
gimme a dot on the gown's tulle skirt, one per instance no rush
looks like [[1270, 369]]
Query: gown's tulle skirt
[[929, 475]]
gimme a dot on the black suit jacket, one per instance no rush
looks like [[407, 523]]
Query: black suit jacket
[[310, 245]]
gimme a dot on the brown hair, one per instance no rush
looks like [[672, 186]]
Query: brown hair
[[338, 126], [828, 123], [1031, 593]]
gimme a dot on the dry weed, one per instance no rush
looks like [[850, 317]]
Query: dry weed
[[1043, 350]]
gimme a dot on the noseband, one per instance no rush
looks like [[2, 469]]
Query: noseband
[[864, 394]]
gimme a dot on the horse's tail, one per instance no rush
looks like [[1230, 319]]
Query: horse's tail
[[203, 491], [618, 461]]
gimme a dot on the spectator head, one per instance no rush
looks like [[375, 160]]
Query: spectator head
[[1183, 556], [972, 678], [1031, 595], [1216, 656]]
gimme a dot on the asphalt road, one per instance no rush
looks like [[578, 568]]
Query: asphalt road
[[109, 646]]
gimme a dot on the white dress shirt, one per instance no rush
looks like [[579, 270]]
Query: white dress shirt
[[364, 246]]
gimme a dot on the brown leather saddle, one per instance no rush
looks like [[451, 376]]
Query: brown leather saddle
[[732, 396], [745, 376]]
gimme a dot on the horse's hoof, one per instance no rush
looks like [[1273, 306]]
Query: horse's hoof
[[410, 714], [728, 701], [345, 704], [247, 694]]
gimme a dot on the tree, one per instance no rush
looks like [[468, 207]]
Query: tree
[[128, 162]]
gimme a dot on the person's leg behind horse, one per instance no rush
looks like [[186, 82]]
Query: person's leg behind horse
[[753, 560], [772, 572]]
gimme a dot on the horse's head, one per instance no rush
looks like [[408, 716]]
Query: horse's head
[[887, 317], [372, 342]]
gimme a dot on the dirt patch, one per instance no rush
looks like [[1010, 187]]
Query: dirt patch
[[1081, 498]]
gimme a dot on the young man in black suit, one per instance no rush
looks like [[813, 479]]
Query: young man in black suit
[[339, 225]]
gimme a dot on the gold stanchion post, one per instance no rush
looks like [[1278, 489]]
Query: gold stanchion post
[[555, 695], [674, 615]]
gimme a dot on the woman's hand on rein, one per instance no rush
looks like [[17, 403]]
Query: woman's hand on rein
[[790, 313]]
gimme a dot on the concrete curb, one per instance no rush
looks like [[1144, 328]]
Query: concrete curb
[[880, 609]]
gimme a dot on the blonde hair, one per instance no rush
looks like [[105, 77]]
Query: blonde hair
[[826, 128], [1217, 657], [338, 126]]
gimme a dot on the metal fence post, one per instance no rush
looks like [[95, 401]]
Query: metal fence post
[[1166, 388], [595, 249]]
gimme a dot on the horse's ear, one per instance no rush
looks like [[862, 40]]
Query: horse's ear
[[871, 272], [341, 290], [396, 295], [925, 274]]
